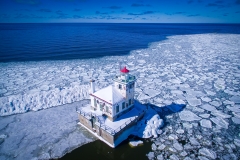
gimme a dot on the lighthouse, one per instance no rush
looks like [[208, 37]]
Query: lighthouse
[[124, 83], [116, 99]]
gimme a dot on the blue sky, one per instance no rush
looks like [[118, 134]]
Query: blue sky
[[120, 11]]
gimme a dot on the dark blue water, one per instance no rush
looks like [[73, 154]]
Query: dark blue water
[[37, 42]]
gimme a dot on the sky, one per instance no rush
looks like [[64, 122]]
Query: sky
[[119, 11]]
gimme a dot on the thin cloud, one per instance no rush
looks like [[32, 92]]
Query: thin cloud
[[218, 4], [77, 10], [140, 5], [60, 14], [179, 12], [113, 7], [193, 15], [143, 13], [44, 10], [2, 16], [31, 2], [77, 16], [97, 12], [190, 1]]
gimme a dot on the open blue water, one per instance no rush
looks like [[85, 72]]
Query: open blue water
[[37, 42]]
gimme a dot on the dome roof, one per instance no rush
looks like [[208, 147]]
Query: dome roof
[[124, 70]]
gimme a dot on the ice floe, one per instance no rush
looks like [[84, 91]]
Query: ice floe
[[188, 116], [206, 123], [220, 122], [204, 76], [208, 153], [135, 143]]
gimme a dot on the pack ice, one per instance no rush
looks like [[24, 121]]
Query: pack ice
[[200, 71]]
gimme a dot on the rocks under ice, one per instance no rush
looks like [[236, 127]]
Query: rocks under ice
[[204, 75]]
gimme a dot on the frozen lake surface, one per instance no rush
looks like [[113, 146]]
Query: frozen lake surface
[[45, 134], [201, 71]]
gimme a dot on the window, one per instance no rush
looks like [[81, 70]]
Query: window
[[107, 109], [129, 101], [123, 105], [95, 102], [120, 86], [126, 105], [131, 86], [117, 108]]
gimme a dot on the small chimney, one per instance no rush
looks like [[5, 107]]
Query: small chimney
[[92, 86]]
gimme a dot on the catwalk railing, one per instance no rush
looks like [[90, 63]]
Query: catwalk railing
[[101, 124]]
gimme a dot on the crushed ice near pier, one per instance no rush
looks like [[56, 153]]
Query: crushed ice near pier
[[201, 71]]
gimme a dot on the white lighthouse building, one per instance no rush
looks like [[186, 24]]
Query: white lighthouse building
[[113, 112], [116, 99]]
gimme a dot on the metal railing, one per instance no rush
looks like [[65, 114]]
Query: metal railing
[[105, 127]]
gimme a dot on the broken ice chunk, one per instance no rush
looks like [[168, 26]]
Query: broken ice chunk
[[236, 108], [135, 143], [193, 141], [206, 123], [206, 99], [204, 115], [220, 122], [161, 147], [172, 137], [180, 131], [237, 142], [174, 157], [188, 116], [208, 153], [184, 153], [202, 158], [235, 99], [178, 146], [220, 114], [236, 120], [208, 107], [215, 103], [193, 101]]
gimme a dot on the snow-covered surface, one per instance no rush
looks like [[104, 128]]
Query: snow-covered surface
[[45, 134], [201, 71], [109, 94], [149, 125], [120, 122]]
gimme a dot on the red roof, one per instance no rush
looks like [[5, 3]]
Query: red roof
[[124, 70]]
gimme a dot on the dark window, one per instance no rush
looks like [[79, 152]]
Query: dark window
[[123, 105], [117, 108], [120, 86], [107, 109], [129, 101], [95, 102]]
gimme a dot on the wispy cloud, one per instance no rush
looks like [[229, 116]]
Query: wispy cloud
[[60, 14], [97, 12], [31, 2], [218, 3], [44, 10], [77, 10], [3, 16], [140, 5], [193, 15], [190, 1], [143, 13], [77, 16], [113, 7], [179, 13]]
